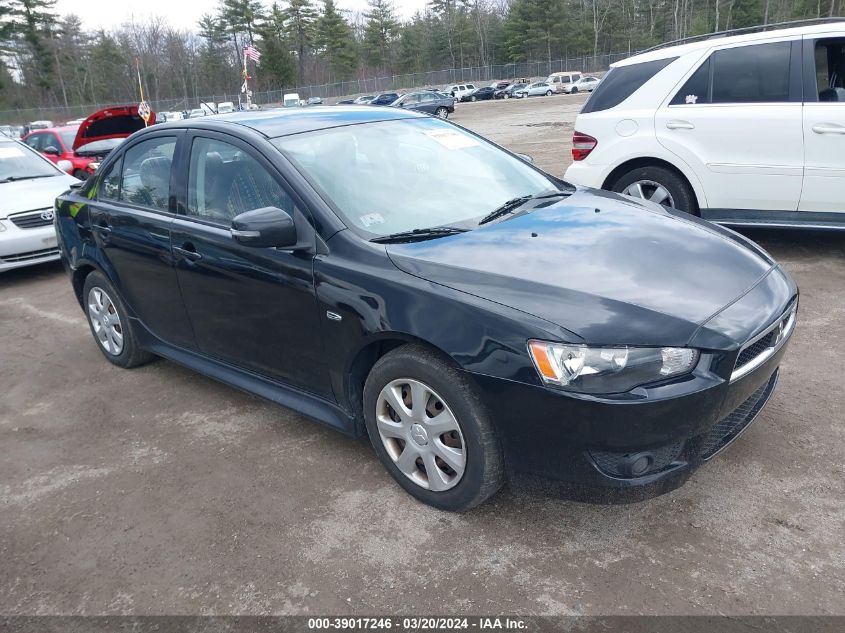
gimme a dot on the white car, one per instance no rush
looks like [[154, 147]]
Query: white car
[[29, 184], [226, 107], [536, 89], [291, 100], [585, 84], [460, 91], [196, 113], [744, 130]]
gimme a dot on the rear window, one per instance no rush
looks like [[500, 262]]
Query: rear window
[[621, 82]]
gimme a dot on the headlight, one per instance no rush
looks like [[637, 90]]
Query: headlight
[[608, 369]]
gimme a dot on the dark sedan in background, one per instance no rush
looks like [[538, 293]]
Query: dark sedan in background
[[529, 328], [507, 93], [385, 98], [431, 102], [482, 94]]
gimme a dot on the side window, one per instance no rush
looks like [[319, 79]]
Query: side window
[[224, 182], [696, 89], [110, 183], [752, 74], [146, 173], [50, 140], [830, 69], [621, 82], [34, 141]]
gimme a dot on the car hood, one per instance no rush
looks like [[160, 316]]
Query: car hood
[[116, 122], [29, 195], [606, 268]]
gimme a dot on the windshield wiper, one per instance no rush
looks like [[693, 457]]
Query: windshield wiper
[[15, 178], [512, 205], [417, 235]]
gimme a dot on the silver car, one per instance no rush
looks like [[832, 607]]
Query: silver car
[[585, 84], [29, 184], [536, 89]]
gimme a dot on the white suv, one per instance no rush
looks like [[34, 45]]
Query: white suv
[[461, 91], [744, 130]]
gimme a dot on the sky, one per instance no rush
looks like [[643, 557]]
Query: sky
[[184, 13]]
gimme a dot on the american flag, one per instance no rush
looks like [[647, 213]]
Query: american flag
[[252, 53]]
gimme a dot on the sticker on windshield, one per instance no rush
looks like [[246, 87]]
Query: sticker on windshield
[[451, 139], [11, 152], [371, 218]]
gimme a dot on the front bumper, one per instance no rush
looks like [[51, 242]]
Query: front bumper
[[25, 247], [586, 448]]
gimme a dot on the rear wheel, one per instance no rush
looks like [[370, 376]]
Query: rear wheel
[[507, 96], [659, 185], [109, 323], [441, 112], [430, 430], [574, 90]]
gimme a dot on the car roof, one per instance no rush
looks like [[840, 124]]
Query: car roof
[[833, 28], [282, 122], [58, 128]]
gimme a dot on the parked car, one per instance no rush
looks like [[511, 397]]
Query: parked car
[[196, 113], [291, 100], [314, 101], [226, 107], [170, 116], [385, 98], [536, 89], [482, 94], [561, 81], [585, 84], [104, 130], [29, 184], [56, 144], [40, 125], [507, 93], [362, 100], [74, 122], [355, 296], [725, 128], [430, 102], [6, 130], [460, 91], [500, 85]]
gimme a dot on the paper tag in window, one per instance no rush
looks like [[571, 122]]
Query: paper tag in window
[[451, 139], [11, 152], [372, 218]]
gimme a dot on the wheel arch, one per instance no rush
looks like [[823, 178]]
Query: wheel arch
[[653, 161]]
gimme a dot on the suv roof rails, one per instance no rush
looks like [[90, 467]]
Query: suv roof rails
[[745, 30]]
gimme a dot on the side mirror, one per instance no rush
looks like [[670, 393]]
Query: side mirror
[[65, 165], [526, 158], [51, 150], [264, 228]]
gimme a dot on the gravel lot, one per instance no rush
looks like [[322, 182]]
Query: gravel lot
[[158, 491]]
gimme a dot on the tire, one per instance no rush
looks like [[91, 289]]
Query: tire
[[506, 96], [414, 369], [472, 98], [548, 93], [574, 90], [442, 112], [80, 174], [97, 291], [681, 193]]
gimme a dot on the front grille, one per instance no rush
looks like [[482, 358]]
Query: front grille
[[32, 220], [728, 428], [24, 257], [754, 350], [778, 332]]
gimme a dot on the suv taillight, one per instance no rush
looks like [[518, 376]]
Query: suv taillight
[[582, 145]]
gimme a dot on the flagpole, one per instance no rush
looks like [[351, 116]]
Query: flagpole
[[246, 82], [140, 85]]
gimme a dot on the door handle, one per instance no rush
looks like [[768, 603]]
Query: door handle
[[188, 252], [828, 128], [679, 125]]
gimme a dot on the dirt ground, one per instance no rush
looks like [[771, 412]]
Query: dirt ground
[[158, 491]]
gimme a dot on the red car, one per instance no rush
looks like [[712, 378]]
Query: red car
[[86, 144]]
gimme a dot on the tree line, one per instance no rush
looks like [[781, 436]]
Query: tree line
[[52, 60]]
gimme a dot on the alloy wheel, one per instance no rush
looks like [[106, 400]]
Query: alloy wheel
[[650, 190], [105, 321], [442, 113], [421, 434]]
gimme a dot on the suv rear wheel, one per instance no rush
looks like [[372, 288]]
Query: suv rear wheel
[[430, 430], [659, 185]]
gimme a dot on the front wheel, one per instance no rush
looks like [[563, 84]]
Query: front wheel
[[548, 93], [431, 430], [472, 98], [659, 185], [507, 96], [441, 112], [573, 91]]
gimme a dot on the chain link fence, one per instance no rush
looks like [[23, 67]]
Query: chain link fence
[[341, 89]]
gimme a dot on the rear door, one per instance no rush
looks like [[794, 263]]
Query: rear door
[[130, 221], [824, 125], [736, 121], [254, 308]]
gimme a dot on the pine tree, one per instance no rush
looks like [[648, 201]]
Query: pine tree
[[380, 31], [300, 20], [334, 39]]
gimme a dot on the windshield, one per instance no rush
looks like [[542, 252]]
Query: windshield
[[407, 174], [18, 162], [97, 148]]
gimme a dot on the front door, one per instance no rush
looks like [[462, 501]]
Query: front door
[[251, 307], [130, 220], [824, 126], [737, 123]]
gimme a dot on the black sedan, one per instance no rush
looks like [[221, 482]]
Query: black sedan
[[430, 102], [507, 93], [528, 329], [482, 94], [385, 98]]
